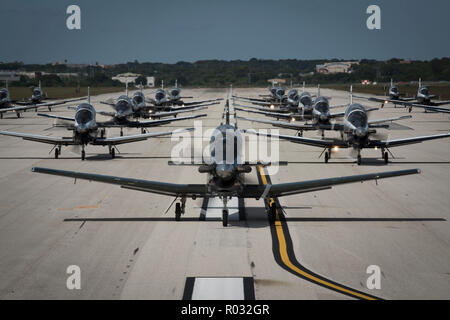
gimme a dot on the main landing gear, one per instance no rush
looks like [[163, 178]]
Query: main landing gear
[[57, 152], [143, 130], [327, 155], [112, 151], [385, 156], [83, 153], [179, 209], [272, 211]]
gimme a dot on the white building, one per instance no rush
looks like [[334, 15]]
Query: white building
[[131, 77], [335, 67]]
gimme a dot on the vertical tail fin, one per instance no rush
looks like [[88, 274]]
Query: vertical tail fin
[[420, 82], [162, 84], [89, 95], [303, 86], [392, 82], [126, 88], [318, 90], [176, 83]]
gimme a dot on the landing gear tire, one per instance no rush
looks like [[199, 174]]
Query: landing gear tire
[[410, 109], [49, 109], [327, 157], [359, 160], [225, 218], [386, 158], [83, 155], [18, 115], [272, 212], [177, 211], [113, 153], [56, 153], [143, 131]]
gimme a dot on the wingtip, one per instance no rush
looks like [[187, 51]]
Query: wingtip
[[419, 171]]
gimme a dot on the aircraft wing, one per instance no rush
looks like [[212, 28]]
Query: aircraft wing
[[146, 124], [55, 117], [201, 190], [108, 103], [287, 189], [440, 103], [260, 108], [169, 189], [294, 125], [39, 138], [405, 141], [337, 114], [135, 138], [200, 102], [376, 121], [106, 113], [323, 143], [428, 108], [339, 106], [266, 113], [193, 106], [249, 99], [164, 114]]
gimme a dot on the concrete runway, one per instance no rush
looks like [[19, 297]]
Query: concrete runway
[[127, 248]]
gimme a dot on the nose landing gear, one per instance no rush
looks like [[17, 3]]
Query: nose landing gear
[[225, 212]]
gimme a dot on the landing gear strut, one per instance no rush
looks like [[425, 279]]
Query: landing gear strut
[[273, 212], [327, 155], [18, 115], [112, 152], [385, 156], [121, 131], [57, 152], [359, 157], [83, 153], [179, 209]]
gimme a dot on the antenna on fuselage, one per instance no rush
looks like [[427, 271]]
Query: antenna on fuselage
[[351, 94]]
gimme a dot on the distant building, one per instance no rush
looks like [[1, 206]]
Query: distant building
[[335, 67], [276, 81], [9, 76], [131, 77]]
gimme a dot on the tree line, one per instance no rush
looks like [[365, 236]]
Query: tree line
[[220, 73]]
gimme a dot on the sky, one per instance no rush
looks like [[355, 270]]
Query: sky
[[113, 31]]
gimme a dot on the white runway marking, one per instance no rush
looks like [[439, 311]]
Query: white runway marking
[[215, 205], [218, 289]]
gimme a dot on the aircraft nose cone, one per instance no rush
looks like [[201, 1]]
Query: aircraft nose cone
[[224, 171], [360, 132], [324, 116]]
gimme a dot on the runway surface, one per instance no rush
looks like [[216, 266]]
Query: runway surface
[[127, 247]]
